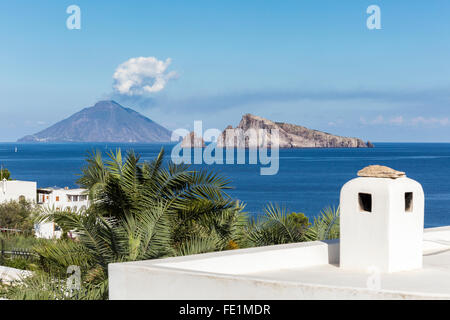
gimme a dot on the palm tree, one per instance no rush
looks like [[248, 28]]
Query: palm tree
[[276, 226], [196, 201], [140, 211], [148, 210], [326, 226]]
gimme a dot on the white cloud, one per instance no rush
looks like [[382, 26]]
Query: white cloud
[[430, 121], [362, 120], [377, 120], [400, 120], [336, 122], [142, 75], [34, 123], [396, 120]]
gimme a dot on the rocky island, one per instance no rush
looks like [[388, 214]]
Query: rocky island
[[290, 135], [192, 141]]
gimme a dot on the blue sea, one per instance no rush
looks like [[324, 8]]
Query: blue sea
[[308, 179]]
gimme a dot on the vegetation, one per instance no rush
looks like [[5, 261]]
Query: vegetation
[[17, 215], [18, 240], [17, 250], [20, 263], [325, 226], [5, 174], [277, 226], [147, 210]]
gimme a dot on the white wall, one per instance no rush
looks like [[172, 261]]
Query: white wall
[[47, 230], [13, 190], [218, 275]]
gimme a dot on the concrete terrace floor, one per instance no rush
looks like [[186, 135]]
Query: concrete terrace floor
[[433, 279]]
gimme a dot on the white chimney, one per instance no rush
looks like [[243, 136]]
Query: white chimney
[[382, 215]]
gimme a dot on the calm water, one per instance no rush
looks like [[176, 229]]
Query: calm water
[[308, 179]]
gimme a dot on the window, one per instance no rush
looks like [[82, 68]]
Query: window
[[57, 198], [365, 202], [408, 201]]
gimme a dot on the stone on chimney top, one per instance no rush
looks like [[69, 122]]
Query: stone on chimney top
[[378, 171]]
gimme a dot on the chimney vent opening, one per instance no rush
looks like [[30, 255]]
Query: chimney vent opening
[[365, 202], [408, 201]]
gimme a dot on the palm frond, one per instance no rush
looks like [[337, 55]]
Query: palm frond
[[325, 226], [274, 227], [197, 245]]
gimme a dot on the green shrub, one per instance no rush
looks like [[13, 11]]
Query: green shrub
[[5, 174], [300, 220], [17, 215], [20, 263], [19, 241]]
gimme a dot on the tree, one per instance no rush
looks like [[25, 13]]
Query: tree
[[5, 174], [150, 210], [17, 215], [139, 211], [300, 220], [197, 202]]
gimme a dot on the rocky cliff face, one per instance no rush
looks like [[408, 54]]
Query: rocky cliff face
[[106, 121], [290, 136], [192, 141]]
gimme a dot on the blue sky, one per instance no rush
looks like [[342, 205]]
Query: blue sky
[[313, 63]]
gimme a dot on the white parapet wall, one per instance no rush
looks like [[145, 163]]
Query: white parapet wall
[[307, 270], [219, 275]]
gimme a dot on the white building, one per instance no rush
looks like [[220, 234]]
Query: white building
[[63, 199], [13, 190], [59, 199]]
